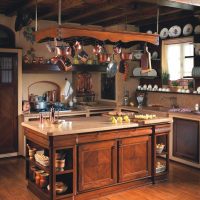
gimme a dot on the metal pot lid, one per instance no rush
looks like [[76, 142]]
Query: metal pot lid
[[111, 69]]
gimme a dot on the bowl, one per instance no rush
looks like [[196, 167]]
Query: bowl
[[60, 188], [60, 163], [159, 148]]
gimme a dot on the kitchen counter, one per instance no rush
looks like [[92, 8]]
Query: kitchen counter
[[160, 111], [186, 115], [101, 157], [81, 125]]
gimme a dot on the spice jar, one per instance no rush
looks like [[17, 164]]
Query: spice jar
[[44, 180], [37, 176]]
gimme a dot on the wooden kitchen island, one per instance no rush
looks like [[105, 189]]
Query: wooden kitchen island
[[100, 157]]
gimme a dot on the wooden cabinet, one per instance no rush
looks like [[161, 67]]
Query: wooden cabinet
[[8, 102], [97, 165], [186, 139], [134, 158]]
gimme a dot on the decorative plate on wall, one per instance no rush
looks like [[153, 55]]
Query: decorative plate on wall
[[197, 29], [175, 31], [164, 33], [187, 29]]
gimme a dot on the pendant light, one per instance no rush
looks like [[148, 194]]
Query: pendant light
[[36, 16], [157, 24]]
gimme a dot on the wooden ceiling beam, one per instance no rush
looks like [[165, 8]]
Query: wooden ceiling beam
[[179, 17], [66, 4], [94, 10], [13, 10], [171, 3], [190, 2], [136, 17], [121, 15]]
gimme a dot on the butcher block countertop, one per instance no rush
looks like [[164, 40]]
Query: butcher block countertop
[[81, 125], [191, 116]]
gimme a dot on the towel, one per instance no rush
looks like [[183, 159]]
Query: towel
[[68, 90]]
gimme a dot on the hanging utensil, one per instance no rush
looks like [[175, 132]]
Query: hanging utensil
[[111, 69]]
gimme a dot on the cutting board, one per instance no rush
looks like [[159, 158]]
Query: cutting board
[[156, 120]]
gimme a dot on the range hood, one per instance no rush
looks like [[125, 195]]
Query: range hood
[[108, 37]]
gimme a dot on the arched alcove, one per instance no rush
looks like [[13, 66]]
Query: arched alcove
[[7, 37]]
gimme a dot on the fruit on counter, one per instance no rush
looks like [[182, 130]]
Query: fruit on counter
[[147, 116], [127, 120], [114, 121], [119, 119]]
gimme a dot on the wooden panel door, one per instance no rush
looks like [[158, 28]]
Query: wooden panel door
[[134, 158], [186, 139], [8, 103], [97, 165]]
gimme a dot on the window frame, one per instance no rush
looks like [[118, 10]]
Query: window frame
[[170, 42]]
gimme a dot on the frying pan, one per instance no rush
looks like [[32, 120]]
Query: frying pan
[[111, 69]]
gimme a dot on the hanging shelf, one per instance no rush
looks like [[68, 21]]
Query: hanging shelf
[[98, 34]]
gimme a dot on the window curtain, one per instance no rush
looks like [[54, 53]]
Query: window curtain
[[165, 43]]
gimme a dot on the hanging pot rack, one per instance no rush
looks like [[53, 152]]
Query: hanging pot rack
[[67, 33]]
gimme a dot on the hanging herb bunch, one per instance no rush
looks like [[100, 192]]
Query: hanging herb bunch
[[28, 34]]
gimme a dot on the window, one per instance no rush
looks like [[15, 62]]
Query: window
[[179, 59], [107, 87]]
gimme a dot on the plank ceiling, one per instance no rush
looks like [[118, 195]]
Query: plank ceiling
[[105, 12]]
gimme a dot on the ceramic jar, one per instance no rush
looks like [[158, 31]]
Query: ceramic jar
[[37, 176], [44, 180]]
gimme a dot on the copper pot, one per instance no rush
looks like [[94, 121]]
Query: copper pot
[[104, 58], [126, 56]]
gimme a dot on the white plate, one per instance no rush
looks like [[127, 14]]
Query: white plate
[[154, 55], [164, 33], [187, 29], [197, 50], [149, 32], [175, 31], [197, 29]]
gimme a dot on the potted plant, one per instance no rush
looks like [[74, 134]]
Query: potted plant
[[165, 79], [174, 86]]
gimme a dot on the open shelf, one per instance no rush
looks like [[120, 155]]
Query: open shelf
[[168, 92], [145, 77], [64, 172], [44, 193], [52, 68], [33, 162]]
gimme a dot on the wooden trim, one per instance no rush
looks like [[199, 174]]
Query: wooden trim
[[67, 32], [178, 40]]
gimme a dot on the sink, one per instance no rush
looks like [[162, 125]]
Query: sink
[[157, 108]]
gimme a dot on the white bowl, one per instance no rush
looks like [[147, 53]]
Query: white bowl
[[144, 86]]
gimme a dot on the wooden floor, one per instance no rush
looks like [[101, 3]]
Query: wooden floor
[[183, 184]]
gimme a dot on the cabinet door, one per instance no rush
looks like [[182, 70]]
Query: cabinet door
[[186, 139], [97, 165], [134, 158]]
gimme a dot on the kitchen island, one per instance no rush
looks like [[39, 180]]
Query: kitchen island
[[99, 157]]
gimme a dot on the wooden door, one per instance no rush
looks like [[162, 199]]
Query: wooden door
[[134, 158], [97, 165], [8, 103], [186, 139]]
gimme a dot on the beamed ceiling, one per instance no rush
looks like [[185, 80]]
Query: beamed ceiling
[[105, 12]]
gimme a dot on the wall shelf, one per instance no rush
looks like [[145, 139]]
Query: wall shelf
[[52, 68], [168, 92], [144, 77]]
